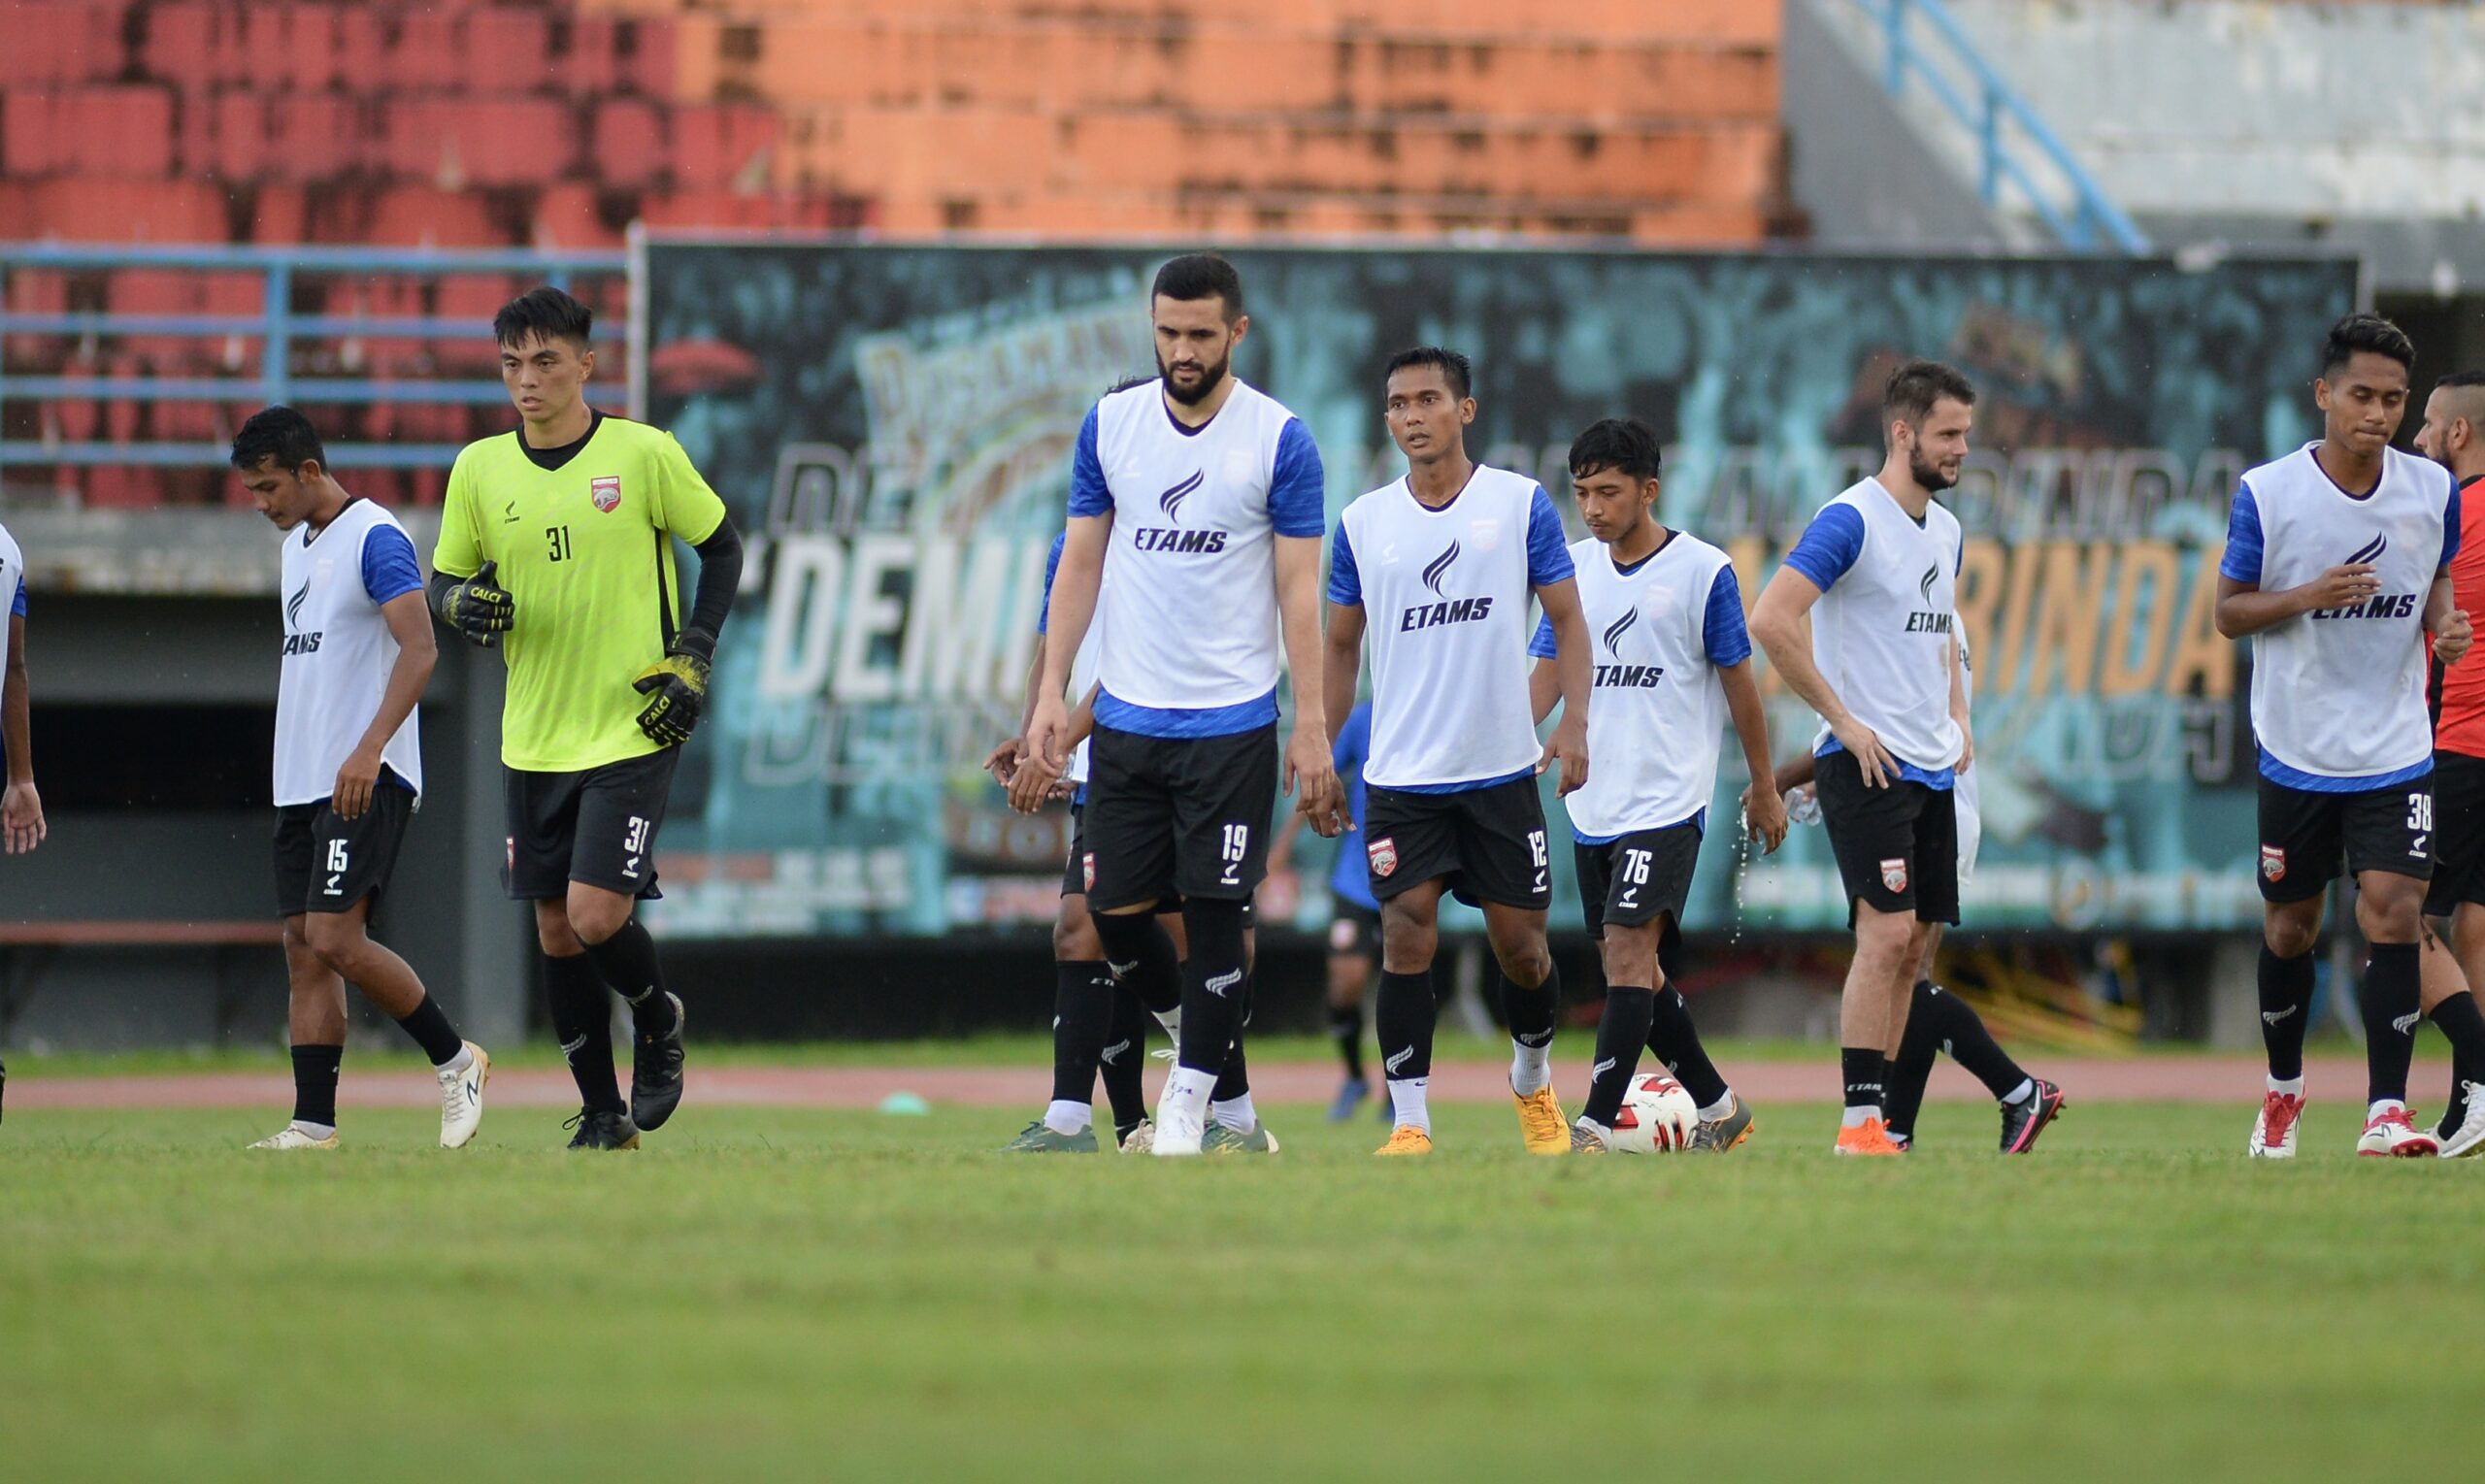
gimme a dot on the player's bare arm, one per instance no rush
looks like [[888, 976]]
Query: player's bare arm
[[21, 807], [1543, 689], [1577, 672], [1073, 609], [1959, 714], [2447, 622], [1310, 768], [2243, 610], [1764, 806], [1343, 664], [1004, 759], [409, 621], [1782, 622]]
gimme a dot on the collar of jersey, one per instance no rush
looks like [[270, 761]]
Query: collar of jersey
[[1641, 565], [1406, 482], [1918, 521]]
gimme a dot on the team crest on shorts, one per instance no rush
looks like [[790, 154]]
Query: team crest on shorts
[[606, 492], [1894, 874], [1383, 854], [2274, 864], [1088, 868]]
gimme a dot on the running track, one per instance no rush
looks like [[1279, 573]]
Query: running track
[[2226, 1079]]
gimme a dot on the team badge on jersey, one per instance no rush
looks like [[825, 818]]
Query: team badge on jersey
[[2274, 863], [1383, 855], [606, 492], [1894, 874]]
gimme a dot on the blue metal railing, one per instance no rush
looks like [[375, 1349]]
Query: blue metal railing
[[1991, 110], [276, 328]]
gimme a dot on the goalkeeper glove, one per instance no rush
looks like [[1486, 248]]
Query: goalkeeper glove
[[478, 608], [677, 690]]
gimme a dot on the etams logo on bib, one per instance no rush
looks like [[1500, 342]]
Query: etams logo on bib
[[606, 492]]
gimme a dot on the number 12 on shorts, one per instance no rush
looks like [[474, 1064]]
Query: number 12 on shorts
[[1237, 846]]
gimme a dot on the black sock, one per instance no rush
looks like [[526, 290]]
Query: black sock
[[1083, 1011], [627, 961], [315, 1083], [1677, 1043], [1531, 1012], [431, 1031], [2463, 1025], [1212, 985], [583, 1020], [1904, 1079], [1234, 1079], [2286, 1004], [1346, 1028], [1863, 1071], [2390, 999], [1961, 1032], [1140, 954], [1119, 1063], [1620, 1032], [1404, 1018]]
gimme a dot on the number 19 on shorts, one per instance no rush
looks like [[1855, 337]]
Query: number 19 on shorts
[[1236, 847]]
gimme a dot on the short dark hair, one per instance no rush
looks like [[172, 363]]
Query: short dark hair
[[2458, 379], [1625, 445], [2365, 331], [1201, 276], [1455, 369], [1915, 386], [544, 313], [278, 433]]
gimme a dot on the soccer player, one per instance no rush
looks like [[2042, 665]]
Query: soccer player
[[1859, 622], [1204, 499], [1354, 924], [22, 826], [1938, 1020], [556, 544], [1098, 1024], [2337, 566], [2453, 436], [1673, 661], [349, 770], [1446, 558]]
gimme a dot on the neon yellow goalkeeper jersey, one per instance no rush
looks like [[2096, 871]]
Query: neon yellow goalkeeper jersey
[[587, 553]]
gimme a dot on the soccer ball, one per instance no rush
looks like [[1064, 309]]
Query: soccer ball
[[1657, 1117]]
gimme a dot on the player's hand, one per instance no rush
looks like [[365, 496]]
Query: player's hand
[[677, 691], [1033, 785], [356, 780], [1880, 769], [1569, 743], [479, 607], [21, 817], [2342, 586], [1047, 734], [1312, 775], [1967, 748], [2452, 640], [1004, 760], [1765, 814]]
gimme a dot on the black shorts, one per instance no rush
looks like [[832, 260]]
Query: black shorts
[[1631, 880], [597, 827], [326, 864], [1074, 869], [1487, 842], [1897, 847], [2459, 834], [2304, 836], [1354, 930], [1169, 817]]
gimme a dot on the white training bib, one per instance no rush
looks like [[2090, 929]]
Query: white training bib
[[2340, 693], [338, 653], [1881, 634], [1658, 706], [1446, 598]]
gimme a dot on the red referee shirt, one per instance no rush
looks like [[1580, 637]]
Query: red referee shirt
[[2462, 726]]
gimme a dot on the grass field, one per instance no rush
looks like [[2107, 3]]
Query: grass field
[[814, 1295]]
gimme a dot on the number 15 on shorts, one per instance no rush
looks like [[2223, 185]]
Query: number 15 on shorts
[[1237, 846]]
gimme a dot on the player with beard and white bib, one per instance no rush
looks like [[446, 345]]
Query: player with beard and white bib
[[1673, 661], [1204, 498], [2337, 564], [1438, 568], [1860, 623]]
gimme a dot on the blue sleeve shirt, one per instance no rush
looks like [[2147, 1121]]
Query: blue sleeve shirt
[[1548, 550], [1346, 582], [388, 566], [1088, 494], [1542, 646], [18, 604], [1298, 486], [2242, 560], [1052, 563], [1829, 545], [1722, 628]]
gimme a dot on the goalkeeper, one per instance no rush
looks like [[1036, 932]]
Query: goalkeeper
[[556, 545]]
